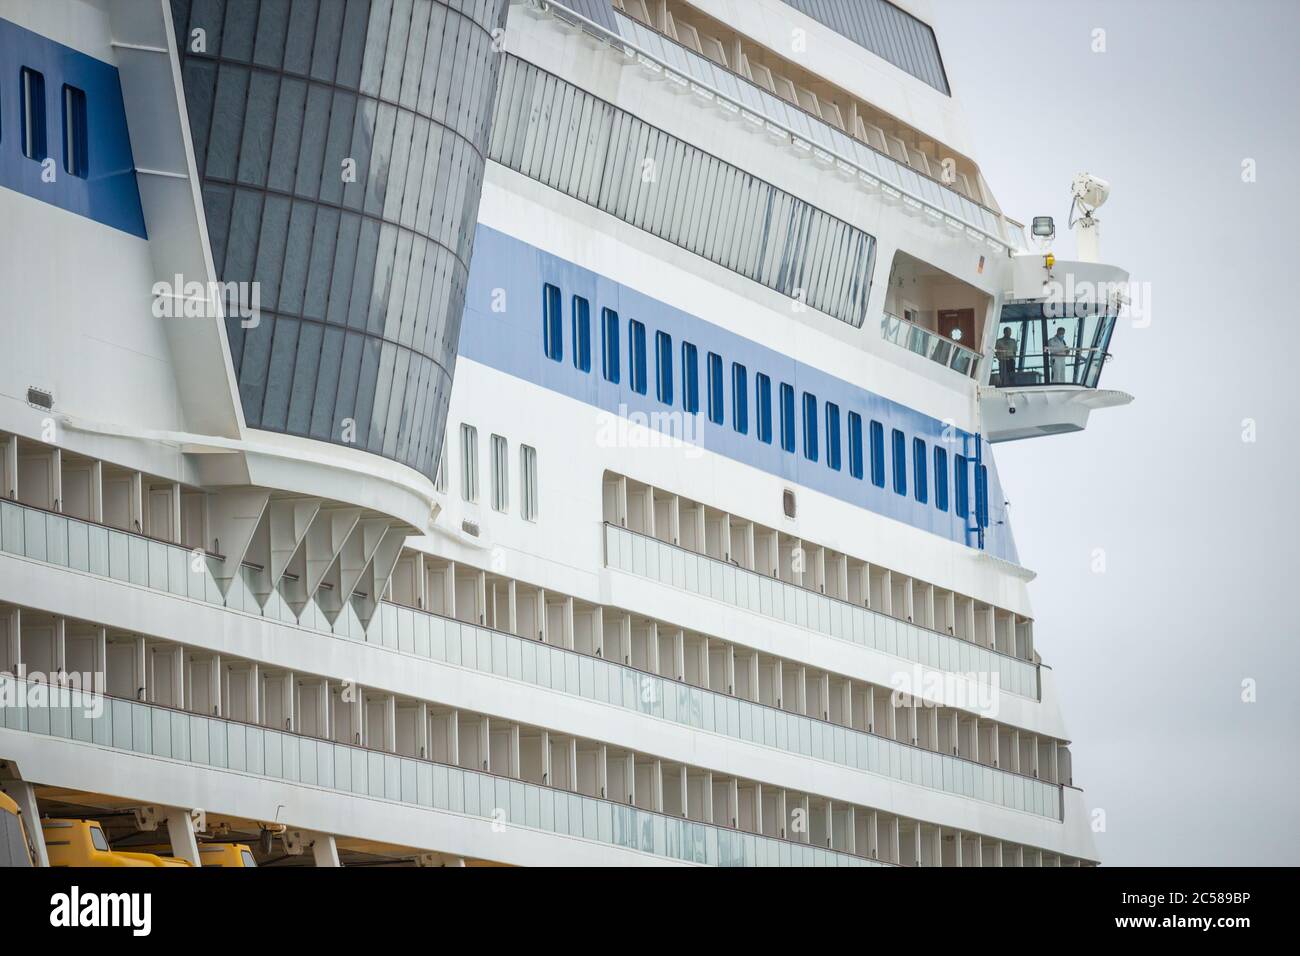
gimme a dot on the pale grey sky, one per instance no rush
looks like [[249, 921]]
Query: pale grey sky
[[1199, 528]]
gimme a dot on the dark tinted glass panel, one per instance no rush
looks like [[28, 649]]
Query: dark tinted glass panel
[[940, 479], [855, 444], [664, 367], [552, 324], [715, 388], [833, 435], [739, 398], [690, 378], [581, 334], [878, 454], [787, 417], [899, 457], [810, 450], [636, 356], [763, 407], [609, 346], [920, 483]]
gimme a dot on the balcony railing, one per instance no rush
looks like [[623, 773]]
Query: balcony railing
[[802, 607], [153, 730], [84, 546], [736, 94], [935, 347]]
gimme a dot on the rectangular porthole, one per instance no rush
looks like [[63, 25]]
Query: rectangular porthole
[[715, 388], [787, 417], [763, 407], [609, 360], [664, 367], [552, 327], [75, 158], [900, 462], [739, 398], [581, 334], [855, 445], [920, 484], [32, 99], [940, 479], [833, 436], [877, 454], [636, 356], [690, 378], [810, 450]]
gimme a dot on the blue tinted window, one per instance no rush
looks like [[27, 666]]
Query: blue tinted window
[[715, 388], [982, 496], [636, 356], [960, 490], [900, 462], [920, 482], [690, 378], [552, 328], [833, 435], [810, 426], [581, 334], [763, 407], [878, 454], [739, 398], [32, 93], [940, 478], [787, 417], [74, 131], [855, 444], [609, 346], [664, 367]]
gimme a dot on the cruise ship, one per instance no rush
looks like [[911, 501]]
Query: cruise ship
[[524, 433]]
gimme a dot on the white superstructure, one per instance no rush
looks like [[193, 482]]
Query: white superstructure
[[710, 563]]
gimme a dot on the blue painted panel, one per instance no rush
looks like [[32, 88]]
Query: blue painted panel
[[512, 343], [109, 193]]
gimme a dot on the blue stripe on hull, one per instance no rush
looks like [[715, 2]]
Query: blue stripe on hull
[[511, 342], [109, 193]]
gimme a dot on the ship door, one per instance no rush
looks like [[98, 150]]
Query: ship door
[[959, 325]]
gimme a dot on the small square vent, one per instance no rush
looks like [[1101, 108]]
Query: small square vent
[[40, 398]]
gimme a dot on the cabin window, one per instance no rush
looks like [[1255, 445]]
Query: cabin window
[[900, 462], [810, 426], [787, 417], [855, 445], [877, 454], [664, 367], [636, 357], [552, 328], [715, 388], [690, 378], [581, 334], [74, 131], [763, 407], [739, 398], [609, 363]]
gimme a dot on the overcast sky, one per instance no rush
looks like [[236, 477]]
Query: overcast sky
[[1198, 526]]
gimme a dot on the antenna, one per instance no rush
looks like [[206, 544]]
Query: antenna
[[1089, 193]]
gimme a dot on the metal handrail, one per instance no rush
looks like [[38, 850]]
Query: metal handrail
[[630, 49]]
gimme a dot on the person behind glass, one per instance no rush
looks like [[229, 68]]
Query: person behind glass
[[1058, 349], [1005, 350]]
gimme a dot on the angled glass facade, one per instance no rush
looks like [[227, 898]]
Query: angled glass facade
[[341, 147], [887, 31], [559, 134]]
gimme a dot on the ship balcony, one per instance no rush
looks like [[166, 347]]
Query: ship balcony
[[933, 345]]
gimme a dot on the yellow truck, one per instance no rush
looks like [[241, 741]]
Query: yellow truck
[[13, 835], [83, 843]]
